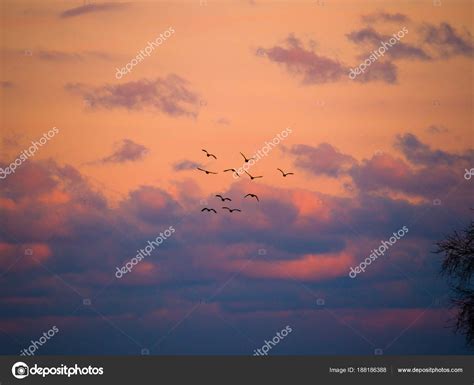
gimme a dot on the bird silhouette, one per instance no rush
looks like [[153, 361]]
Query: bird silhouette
[[222, 198], [253, 177], [209, 154], [253, 196], [245, 158], [207, 172], [285, 173], [232, 210], [206, 209], [233, 170]]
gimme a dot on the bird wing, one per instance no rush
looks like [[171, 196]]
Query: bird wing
[[213, 156], [199, 168], [215, 212], [279, 169], [219, 195], [243, 156], [204, 209], [257, 198], [248, 174], [204, 151], [248, 195], [228, 199], [225, 207]]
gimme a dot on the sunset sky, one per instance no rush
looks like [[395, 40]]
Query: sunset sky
[[369, 156]]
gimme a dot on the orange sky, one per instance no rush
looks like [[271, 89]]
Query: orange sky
[[214, 50]]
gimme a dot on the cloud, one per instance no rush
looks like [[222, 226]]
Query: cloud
[[400, 50], [321, 160], [60, 56], [419, 153], [6, 84], [383, 71], [91, 8], [170, 95], [128, 151], [436, 129], [316, 69], [311, 67], [446, 41], [223, 121], [80, 239], [385, 17], [185, 165]]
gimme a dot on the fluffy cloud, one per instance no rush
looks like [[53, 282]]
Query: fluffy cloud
[[321, 160], [305, 63], [128, 151], [446, 41], [170, 95]]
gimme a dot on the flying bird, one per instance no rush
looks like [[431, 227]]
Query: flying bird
[[232, 210], [253, 177], [222, 198], [233, 170], [209, 154], [245, 158], [253, 196], [207, 172], [285, 173], [206, 209]]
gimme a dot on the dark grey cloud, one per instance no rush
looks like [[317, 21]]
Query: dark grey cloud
[[92, 8], [60, 56], [315, 69], [420, 153], [321, 160], [384, 71], [127, 151], [6, 84], [171, 95], [184, 165], [304, 63], [436, 129], [385, 17], [446, 41], [400, 50]]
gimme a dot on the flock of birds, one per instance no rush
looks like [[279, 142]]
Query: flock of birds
[[224, 199]]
